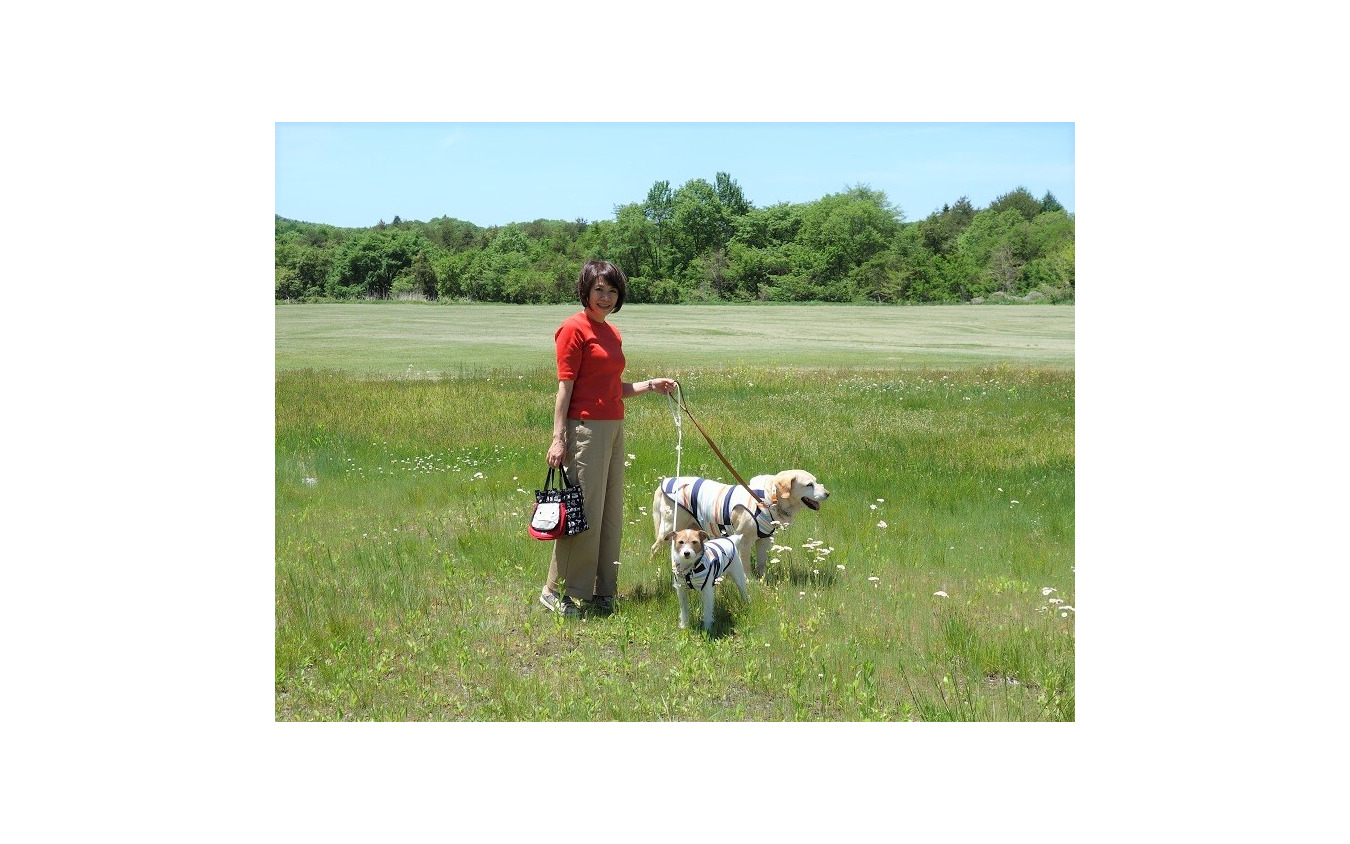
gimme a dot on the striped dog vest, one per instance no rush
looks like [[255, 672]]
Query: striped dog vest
[[711, 504], [717, 555]]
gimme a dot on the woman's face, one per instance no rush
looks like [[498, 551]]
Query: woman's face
[[602, 300]]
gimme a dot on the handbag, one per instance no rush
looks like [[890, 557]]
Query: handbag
[[558, 509]]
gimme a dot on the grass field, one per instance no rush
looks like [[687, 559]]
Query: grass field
[[936, 584], [428, 340]]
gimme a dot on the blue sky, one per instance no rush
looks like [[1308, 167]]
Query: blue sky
[[356, 174]]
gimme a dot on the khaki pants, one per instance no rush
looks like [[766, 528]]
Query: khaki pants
[[587, 565]]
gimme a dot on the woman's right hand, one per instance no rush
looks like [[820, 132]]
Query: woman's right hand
[[556, 454]]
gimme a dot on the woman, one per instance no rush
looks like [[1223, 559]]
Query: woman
[[588, 442]]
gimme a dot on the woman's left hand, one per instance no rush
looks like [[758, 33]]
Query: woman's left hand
[[662, 385]]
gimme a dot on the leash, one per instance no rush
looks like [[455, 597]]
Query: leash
[[679, 427], [676, 407]]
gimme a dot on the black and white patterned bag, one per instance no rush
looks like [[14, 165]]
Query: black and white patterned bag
[[558, 509]]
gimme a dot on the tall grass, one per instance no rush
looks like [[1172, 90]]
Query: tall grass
[[406, 586]]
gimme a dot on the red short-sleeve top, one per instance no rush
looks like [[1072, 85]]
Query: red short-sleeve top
[[590, 354]]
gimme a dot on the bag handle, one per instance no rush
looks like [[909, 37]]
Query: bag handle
[[548, 481]]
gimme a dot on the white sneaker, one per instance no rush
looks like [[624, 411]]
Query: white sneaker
[[563, 605]]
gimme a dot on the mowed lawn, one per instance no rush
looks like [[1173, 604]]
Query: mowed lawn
[[432, 340], [937, 583]]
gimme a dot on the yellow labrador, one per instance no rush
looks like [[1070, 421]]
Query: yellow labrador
[[722, 510]]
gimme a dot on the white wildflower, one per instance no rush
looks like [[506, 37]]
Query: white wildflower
[[940, 594], [841, 567], [1055, 601], [1046, 590], [881, 524]]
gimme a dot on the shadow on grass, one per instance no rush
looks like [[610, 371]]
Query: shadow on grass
[[646, 593]]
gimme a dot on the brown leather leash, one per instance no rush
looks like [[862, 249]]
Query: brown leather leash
[[720, 456]]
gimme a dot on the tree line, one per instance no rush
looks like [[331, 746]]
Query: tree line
[[703, 241]]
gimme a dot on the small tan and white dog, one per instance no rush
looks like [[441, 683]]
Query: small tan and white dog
[[723, 510], [697, 564]]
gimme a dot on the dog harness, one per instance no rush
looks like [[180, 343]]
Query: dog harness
[[711, 504], [717, 555]]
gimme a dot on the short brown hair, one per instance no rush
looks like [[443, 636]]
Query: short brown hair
[[598, 270]]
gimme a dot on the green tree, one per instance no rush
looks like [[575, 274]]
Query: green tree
[[733, 204], [1049, 232], [498, 272], [634, 241], [730, 195], [452, 274], [767, 227], [659, 209], [841, 232], [699, 223], [455, 235], [882, 278], [941, 228], [1049, 265], [707, 275], [287, 285], [702, 241], [367, 265], [960, 279], [1019, 200], [992, 244], [916, 268], [424, 276]]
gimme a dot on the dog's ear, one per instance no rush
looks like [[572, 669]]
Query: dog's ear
[[702, 536], [668, 536], [784, 487]]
